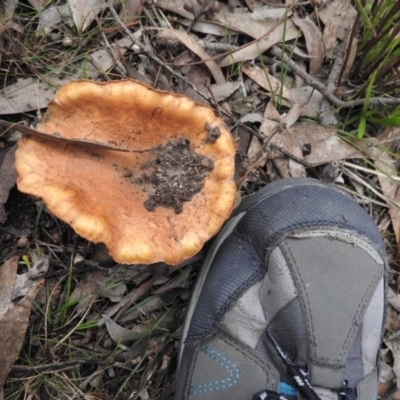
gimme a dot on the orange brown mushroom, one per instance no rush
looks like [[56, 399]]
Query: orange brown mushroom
[[127, 200]]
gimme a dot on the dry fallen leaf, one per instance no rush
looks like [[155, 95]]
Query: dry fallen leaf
[[307, 132], [131, 10], [386, 164], [31, 94], [7, 9], [222, 91], [268, 12], [309, 97], [7, 177], [238, 19], [254, 50], [332, 149], [285, 138], [193, 45], [314, 43], [38, 4], [120, 334], [338, 17], [352, 52], [25, 282], [14, 317], [85, 12], [266, 80], [50, 17], [8, 272]]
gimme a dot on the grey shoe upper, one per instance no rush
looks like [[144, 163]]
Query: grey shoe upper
[[306, 263]]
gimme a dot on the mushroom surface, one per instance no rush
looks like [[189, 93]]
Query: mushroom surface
[[159, 202]]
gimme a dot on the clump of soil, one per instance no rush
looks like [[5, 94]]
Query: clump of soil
[[175, 175]]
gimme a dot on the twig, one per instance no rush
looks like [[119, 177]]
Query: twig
[[119, 66], [326, 116], [50, 368], [236, 49], [316, 84], [197, 15], [279, 128], [131, 297], [176, 74], [348, 50], [358, 179], [225, 47], [153, 56], [290, 155], [57, 138], [214, 99]]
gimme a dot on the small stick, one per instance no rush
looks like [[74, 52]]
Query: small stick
[[316, 84], [57, 138], [214, 99]]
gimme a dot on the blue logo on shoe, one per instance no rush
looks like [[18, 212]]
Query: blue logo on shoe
[[230, 367], [287, 390]]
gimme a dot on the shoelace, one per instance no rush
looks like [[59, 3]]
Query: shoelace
[[300, 378]]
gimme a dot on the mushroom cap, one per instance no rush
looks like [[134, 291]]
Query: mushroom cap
[[89, 188]]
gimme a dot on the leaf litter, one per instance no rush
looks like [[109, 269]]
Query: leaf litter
[[104, 315]]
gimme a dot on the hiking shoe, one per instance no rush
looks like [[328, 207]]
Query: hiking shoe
[[289, 302]]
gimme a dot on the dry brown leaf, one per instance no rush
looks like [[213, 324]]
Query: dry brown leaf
[[271, 120], [85, 12], [25, 282], [238, 19], [14, 317], [8, 274], [256, 49], [332, 149], [12, 330], [285, 138], [266, 80], [120, 334], [268, 12], [393, 299], [192, 44], [352, 52], [385, 163], [7, 10], [314, 43], [152, 304], [222, 91], [309, 97], [87, 290], [394, 346], [252, 118], [253, 153], [200, 77], [338, 17], [292, 116], [50, 17], [7, 177], [131, 10], [38, 4], [392, 320], [209, 28], [307, 132], [291, 143], [32, 94]]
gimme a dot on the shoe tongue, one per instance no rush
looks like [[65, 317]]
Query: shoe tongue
[[333, 316]]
